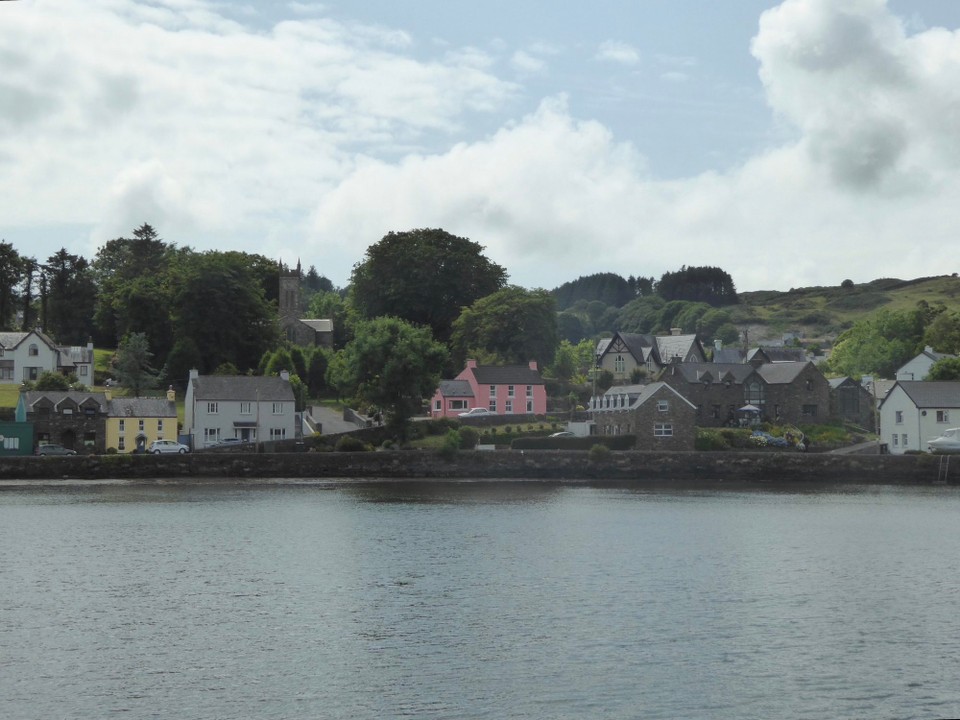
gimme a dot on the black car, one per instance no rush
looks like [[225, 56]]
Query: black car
[[54, 449]]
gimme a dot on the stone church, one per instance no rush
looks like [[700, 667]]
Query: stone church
[[293, 327]]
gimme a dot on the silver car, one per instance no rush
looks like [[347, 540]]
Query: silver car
[[54, 449], [167, 446]]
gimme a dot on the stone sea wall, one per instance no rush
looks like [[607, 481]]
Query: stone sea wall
[[625, 469]]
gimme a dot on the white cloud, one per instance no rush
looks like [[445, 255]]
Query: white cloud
[[313, 138], [618, 52], [526, 63]]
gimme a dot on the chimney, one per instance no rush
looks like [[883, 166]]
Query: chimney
[[676, 331], [108, 395], [471, 363], [171, 394], [285, 375], [533, 365], [194, 373], [718, 344]]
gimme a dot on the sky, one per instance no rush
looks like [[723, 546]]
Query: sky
[[791, 144]]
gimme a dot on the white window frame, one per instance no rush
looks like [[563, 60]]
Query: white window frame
[[508, 407], [511, 391], [663, 429], [211, 435], [898, 417], [278, 433], [943, 416], [246, 408], [492, 407], [213, 408], [663, 405], [277, 408]]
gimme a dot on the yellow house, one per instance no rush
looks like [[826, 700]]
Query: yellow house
[[134, 423]]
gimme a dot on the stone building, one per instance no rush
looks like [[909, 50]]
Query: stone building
[[295, 328], [76, 420], [783, 392], [659, 416]]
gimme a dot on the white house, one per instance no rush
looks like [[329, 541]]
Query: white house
[[24, 356], [919, 367], [914, 412], [251, 409]]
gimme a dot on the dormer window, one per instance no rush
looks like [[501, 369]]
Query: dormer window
[[33, 351]]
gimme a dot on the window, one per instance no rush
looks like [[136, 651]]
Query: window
[[439, 405], [459, 405], [278, 408], [903, 440], [122, 425], [140, 425], [898, 417], [66, 411], [663, 430], [31, 373], [663, 405], [943, 416], [508, 408], [6, 373], [83, 370], [529, 391], [213, 408], [211, 435], [160, 427], [620, 364], [810, 410], [493, 391], [510, 391], [716, 411], [754, 393], [33, 351], [278, 433], [530, 406], [120, 444], [11, 443], [809, 384], [246, 408], [896, 439], [493, 405]]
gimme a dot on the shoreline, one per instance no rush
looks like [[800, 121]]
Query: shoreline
[[618, 469]]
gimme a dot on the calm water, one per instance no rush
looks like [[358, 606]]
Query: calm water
[[477, 601]]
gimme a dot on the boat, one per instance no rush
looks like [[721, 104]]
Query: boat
[[949, 442]]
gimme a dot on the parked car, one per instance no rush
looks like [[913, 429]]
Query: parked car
[[54, 449], [229, 442], [562, 433], [476, 412], [167, 446]]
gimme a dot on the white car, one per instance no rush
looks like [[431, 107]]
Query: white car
[[476, 412], [167, 446]]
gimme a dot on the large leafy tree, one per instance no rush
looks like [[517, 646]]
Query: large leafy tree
[[698, 284], [220, 308], [513, 324], [423, 276], [391, 364], [879, 344]]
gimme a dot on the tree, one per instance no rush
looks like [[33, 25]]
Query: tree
[[945, 369], [52, 381], [943, 333], [607, 288], [878, 345], [514, 324], [698, 284], [424, 277], [219, 305], [390, 364], [70, 297], [11, 273], [131, 364]]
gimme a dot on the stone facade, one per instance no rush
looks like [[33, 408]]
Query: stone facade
[[293, 327], [852, 402], [659, 417], [787, 392], [76, 420]]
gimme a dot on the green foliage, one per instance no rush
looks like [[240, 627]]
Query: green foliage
[[604, 381], [945, 369], [698, 284], [599, 453], [299, 392], [451, 444], [943, 333], [279, 359], [514, 324], [349, 443], [391, 364], [879, 344], [51, 381], [469, 437], [70, 299], [184, 357], [424, 277], [607, 288], [131, 364], [227, 369], [11, 273]]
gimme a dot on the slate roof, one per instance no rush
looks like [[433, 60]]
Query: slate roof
[[318, 325], [141, 408], [642, 346], [669, 346], [10, 340], [506, 375], [455, 388], [728, 355], [772, 373], [30, 397], [241, 387], [931, 394], [639, 394]]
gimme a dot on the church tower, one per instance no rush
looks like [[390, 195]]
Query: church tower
[[289, 298]]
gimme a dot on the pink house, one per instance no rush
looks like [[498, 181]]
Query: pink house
[[504, 390]]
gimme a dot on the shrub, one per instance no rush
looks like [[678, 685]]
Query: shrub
[[451, 445], [599, 453], [469, 438], [349, 443]]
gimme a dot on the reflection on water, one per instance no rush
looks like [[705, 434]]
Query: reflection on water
[[477, 600]]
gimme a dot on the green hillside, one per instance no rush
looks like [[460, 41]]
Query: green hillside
[[824, 312]]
